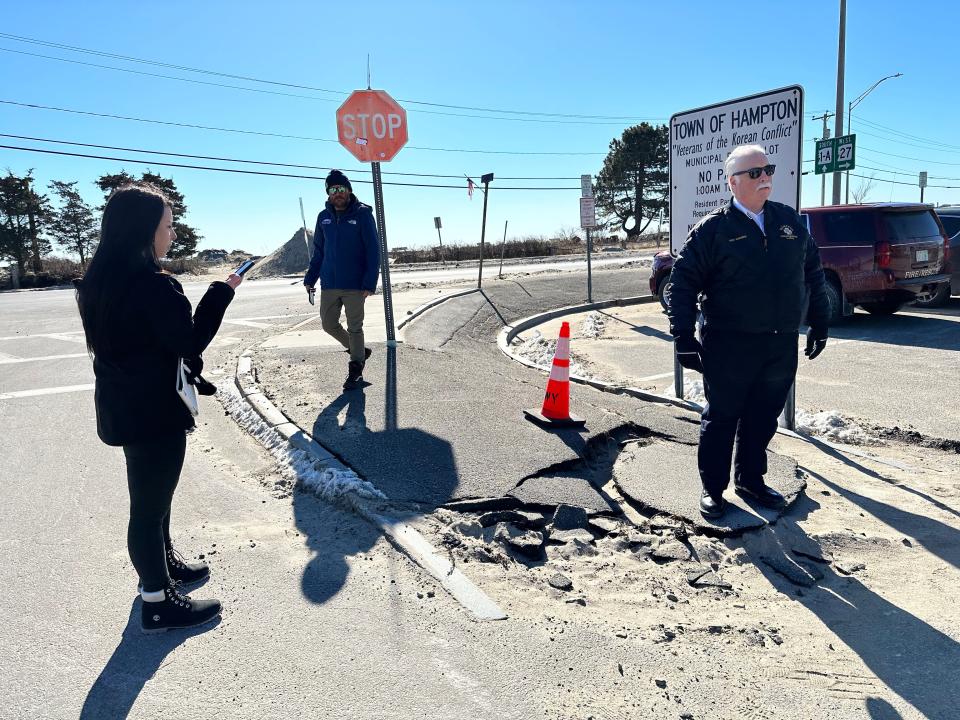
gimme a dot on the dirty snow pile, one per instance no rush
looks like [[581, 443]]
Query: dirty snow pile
[[831, 425], [592, 325], [692, 391], [537, 349], [295, 465]]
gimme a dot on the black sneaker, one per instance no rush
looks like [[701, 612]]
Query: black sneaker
[[711, 507], [176, 611], [354, 375], [184, 572]]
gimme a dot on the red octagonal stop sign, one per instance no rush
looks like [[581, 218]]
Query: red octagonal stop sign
[[372, 126]]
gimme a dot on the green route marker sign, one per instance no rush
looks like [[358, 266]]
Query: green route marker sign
[[834, 154]]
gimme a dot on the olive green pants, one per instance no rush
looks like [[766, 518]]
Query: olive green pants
[[351, 302]]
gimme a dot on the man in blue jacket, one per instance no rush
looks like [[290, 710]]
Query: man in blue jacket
[[346, 259], [752, 265]]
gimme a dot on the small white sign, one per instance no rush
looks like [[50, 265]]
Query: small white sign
[[586, 186], [923, 179], [588, 213]]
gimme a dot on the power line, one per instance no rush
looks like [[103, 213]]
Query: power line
[[294, 95], [187, 68], [250, 162], [254, 172], [260, 133]]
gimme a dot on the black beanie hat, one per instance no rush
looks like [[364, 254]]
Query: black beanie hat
[[338, 178]]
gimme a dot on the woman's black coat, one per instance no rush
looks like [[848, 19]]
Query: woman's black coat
[[151, 328]]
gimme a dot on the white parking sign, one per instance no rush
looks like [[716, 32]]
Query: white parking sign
[[701, 139]]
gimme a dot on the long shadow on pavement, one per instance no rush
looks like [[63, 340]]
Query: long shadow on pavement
[[913, 659], [348, 415], [135, 660], [901, 329]]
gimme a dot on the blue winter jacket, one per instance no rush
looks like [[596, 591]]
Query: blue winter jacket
[[346, 249]]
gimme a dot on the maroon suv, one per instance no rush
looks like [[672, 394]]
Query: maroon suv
[[879, 256]]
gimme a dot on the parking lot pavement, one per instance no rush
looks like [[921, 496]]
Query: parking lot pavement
[[894, 371]]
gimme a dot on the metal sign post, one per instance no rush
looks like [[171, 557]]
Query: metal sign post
[[503, 247], [303, 218], [588, 221], [486, 180], [384, 258], [437, 224]]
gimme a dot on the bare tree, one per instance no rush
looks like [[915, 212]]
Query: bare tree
[[862, 190]]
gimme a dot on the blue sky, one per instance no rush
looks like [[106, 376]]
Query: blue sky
[[623, 61]]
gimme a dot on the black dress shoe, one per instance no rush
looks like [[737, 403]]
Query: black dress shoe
[[711, 508], [762, 495]]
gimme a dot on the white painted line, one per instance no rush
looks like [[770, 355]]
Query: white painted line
[[45, 391], [53, 336], [68, 337], [247, 323], [425, 555], [305, 322], [10, 359]]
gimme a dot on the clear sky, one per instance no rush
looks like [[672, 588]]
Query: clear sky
[[620, 62]]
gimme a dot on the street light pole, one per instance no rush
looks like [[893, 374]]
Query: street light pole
[[838, 128], [851, 105]]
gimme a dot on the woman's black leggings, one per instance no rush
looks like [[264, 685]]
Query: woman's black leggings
[[153, 471]]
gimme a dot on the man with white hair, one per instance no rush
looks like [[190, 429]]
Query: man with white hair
[[752, 265]]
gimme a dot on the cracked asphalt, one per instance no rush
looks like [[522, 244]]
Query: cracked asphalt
[[441, 419]]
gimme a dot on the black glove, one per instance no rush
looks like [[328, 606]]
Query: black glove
[[311, 294], [816, 341], [193, 367], [689, 352]]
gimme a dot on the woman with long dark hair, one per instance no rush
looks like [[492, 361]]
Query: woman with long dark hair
[[139, 326]]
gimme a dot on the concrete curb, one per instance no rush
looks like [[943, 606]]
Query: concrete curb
[[404, 537], [509, 332], [433, 303]]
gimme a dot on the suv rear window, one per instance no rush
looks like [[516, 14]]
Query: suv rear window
[[951, 223], [906, 226], [849, 228]]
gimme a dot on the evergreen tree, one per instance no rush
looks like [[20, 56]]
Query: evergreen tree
[[633, 182], [73, 225], [187, 237]]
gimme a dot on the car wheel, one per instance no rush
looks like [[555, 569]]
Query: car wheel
[[835, 301], [882, 307], [935, 299], [662, 287]]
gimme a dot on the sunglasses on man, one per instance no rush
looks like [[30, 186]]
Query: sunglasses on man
[[754, 173], [334, 189]]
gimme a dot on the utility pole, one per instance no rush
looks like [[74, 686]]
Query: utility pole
[[486, 180], [826, 136], [838, 126]]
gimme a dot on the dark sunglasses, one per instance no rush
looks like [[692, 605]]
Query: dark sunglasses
[[754, 173], [333, 189]]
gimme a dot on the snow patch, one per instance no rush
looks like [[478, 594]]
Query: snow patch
[[831, 425], [537, 349], [295, 465], [692, 391], [593, 325]]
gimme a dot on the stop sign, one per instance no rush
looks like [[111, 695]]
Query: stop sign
[[372, 126]]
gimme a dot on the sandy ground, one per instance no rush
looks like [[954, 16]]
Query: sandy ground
[[871, 632]]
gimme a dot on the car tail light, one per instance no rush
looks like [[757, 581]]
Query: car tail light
[[882, 254]]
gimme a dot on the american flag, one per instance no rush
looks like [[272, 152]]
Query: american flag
[[470, 188]]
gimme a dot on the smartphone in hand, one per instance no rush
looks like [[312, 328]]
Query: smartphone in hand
[[244, 267]]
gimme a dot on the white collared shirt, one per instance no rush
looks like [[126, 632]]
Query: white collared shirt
[[756, 217]]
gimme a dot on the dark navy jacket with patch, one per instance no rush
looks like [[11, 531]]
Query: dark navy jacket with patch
[[748, 280], [346, 249]]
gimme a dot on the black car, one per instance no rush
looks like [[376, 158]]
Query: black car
[[950, 219]]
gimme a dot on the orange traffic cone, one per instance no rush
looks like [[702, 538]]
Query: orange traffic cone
[[556, 401]]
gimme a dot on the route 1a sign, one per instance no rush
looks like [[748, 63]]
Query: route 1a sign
[[824, 162]]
